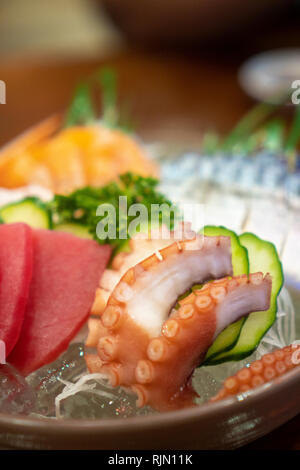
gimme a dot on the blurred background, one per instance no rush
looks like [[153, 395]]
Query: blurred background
[[177, 61], [63, 29], [88, 28], [187, 72]]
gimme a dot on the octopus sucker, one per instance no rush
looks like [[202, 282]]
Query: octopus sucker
[[151, 347], [100, 302], [113, 372], [141, 394], [111, 316], [269, 367], [93, 362], [107, 347], [96, 331]]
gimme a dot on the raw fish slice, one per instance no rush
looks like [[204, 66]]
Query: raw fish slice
[[16, 256], [66, 272]]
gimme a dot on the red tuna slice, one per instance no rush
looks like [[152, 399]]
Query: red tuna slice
[[66, 273], [16, 257]]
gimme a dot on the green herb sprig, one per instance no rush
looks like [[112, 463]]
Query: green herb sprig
[[82, 109], [81, 205]]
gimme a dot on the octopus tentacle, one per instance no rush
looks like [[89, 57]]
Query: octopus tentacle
[[153, 348], [186, 336], [215, 250], [267, 368], [140, 248]]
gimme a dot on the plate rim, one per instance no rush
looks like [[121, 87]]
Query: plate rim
[[51, 426]]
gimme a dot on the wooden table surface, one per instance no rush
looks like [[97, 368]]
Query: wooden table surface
[[172, 99]]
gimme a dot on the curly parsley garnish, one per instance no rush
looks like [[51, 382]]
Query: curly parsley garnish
[[81, 205]]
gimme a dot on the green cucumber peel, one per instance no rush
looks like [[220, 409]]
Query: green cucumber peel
[[30, 210]]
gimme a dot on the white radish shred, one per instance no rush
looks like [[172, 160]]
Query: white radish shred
[[81, 386]]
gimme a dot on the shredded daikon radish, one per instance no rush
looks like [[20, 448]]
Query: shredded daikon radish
[[283, 331], [81, 386]]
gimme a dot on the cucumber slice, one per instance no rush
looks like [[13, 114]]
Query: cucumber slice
[[263, 257], [225, 341], [31, 211], [229, 337], [76, 229]]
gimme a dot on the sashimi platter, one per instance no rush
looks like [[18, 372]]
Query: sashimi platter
[[146, 299]]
